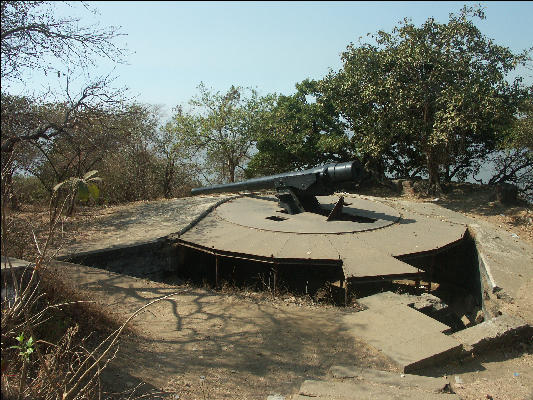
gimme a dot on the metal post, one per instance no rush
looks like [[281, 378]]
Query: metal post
[[345, 284], [431, 267], [217, 261], [180, 257], [275, 278]]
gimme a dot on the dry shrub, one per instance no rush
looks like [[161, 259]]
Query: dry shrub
[[33, 367], [17, 236], [66, 369]]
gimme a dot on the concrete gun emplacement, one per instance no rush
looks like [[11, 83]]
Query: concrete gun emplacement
[[296, 190]]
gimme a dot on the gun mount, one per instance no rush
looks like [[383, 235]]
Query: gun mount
[[362, 241], [296, 190]]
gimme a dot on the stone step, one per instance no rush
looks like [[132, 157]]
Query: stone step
[[410, 338], [358, 375], [325, 390]]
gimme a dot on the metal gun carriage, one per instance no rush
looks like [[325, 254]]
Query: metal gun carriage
[[296, 190]]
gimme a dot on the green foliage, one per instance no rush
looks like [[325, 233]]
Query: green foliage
[[218, 135], [426, 98], [299, 133], [84, 187], [520, 135], [25, 348], [513, 162], [420, 100]]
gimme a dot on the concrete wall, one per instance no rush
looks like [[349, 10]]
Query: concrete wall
[[148, 260]]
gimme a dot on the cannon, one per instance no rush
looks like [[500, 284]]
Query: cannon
[[296, 190], [316, 240]]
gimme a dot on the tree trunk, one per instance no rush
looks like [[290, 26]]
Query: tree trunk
[[375, 166], [447, 174], [169, 177], [231, 171], [10, 192], [434, 187], [7, 182]]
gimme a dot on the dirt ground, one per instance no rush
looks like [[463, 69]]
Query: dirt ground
[[202, 344], [476, 201], [237, 344], [505, 373]]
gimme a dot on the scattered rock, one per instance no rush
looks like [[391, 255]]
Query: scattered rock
[[291, 300], [275, 397], [426, 302]]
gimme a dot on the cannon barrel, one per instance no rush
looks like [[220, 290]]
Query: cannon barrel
[[315, 181]]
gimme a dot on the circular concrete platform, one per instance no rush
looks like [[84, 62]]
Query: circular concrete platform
[[370, 245], [264, 213]]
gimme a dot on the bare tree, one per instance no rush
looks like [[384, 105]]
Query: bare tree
[[33, 39], [30, 125], [49, 125], [31, 34]]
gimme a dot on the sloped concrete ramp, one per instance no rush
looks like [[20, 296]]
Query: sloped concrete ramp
[[406, 381], [410, 338]]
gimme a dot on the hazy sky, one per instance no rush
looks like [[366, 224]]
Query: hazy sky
[[268, 46]]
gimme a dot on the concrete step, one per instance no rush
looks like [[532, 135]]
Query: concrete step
[[384, 302], [358, 375], [410, 338], [12, 262], [324, 390], [12, 268], [491, 332]]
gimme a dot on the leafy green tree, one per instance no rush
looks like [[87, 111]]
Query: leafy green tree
[[514, 159], [220, 130], [301, 131], [179, 169], [521, 133], [427, 98]]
